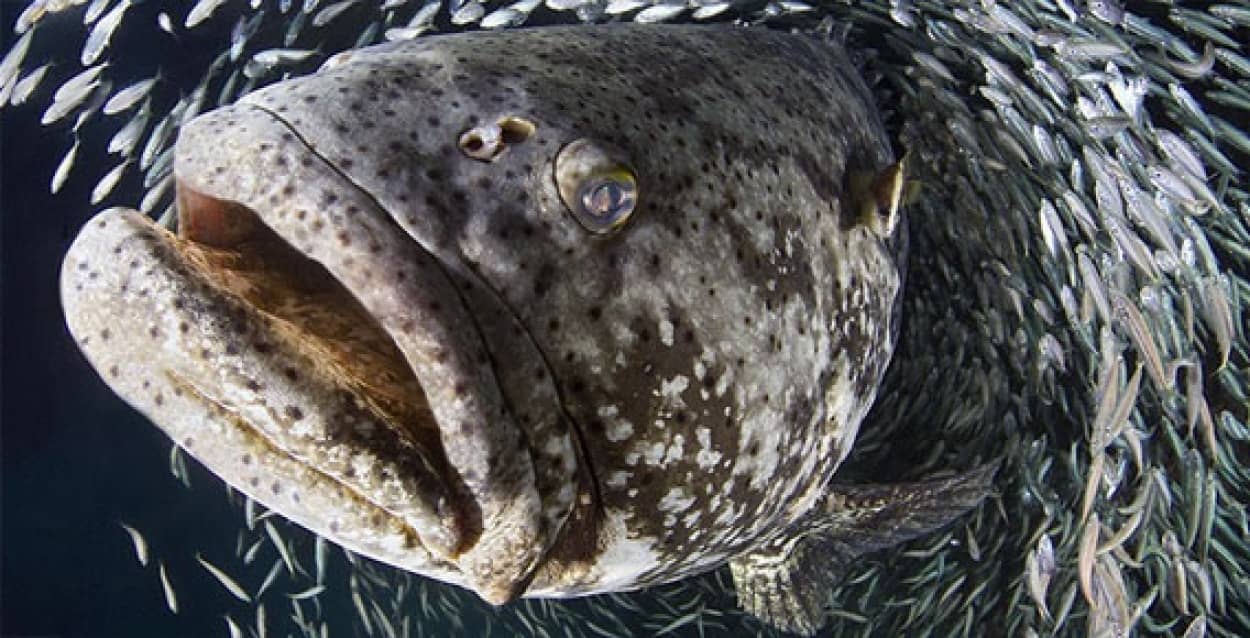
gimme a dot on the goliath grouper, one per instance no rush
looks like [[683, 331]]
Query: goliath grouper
[[538, 313]]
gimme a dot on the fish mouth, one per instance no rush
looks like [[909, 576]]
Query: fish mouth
[[303, 347], [314, 318], [312, 312]]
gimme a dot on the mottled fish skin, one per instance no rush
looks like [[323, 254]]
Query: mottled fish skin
[[594, 413]]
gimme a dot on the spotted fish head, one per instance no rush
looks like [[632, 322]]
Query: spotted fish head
[[540, 312]]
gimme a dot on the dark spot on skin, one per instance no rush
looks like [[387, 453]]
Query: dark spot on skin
[[254, 481], [294, 413], [246, 459], [276, 488], [291, 373]]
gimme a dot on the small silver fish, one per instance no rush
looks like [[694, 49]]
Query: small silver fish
[[25, 87], [107, 183], [11, 65], [102, 32], [271, 58], [328, 13], [127, 137], [226, 581], [201, 11], [63, 168], [139, 543], [73, 93], [128, 97], [171, 597]]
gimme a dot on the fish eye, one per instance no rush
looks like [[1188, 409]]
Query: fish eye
[[596, 185]]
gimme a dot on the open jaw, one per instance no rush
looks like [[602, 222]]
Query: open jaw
[[320, 378], [256, 361]]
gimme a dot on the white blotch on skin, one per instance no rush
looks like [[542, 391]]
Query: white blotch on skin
[[666, 332], [676, 500], [654, 453], [672, 388], [618, 430], [675, 450], [707, 458]]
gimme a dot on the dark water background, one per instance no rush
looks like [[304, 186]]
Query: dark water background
[[75, 459]]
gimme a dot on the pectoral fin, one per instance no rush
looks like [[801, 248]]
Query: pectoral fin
[[877, 196], [787, 582]]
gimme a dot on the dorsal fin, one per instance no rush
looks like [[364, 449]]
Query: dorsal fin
[[786, 582]]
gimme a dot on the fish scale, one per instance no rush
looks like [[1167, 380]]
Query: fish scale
[[979, 389]]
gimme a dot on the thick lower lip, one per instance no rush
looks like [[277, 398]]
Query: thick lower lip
[[229, 349]]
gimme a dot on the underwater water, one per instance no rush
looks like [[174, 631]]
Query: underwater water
[[1096, 342]]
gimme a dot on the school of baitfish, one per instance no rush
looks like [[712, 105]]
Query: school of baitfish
[[1073, 303]]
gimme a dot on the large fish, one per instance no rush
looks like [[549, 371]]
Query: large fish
[[539, 313]]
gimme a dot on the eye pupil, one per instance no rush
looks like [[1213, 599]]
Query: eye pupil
[[607, 201], [603, 199]]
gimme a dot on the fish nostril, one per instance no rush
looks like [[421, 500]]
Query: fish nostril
[[515, 130], [482, 143], [487, 142]]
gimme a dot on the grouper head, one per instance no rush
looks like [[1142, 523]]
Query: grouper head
[[539, 312]]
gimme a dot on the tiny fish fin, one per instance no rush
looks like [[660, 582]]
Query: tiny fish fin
[[786, 582], [876, 197]]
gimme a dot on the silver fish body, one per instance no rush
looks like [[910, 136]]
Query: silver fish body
[[395, 313]]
